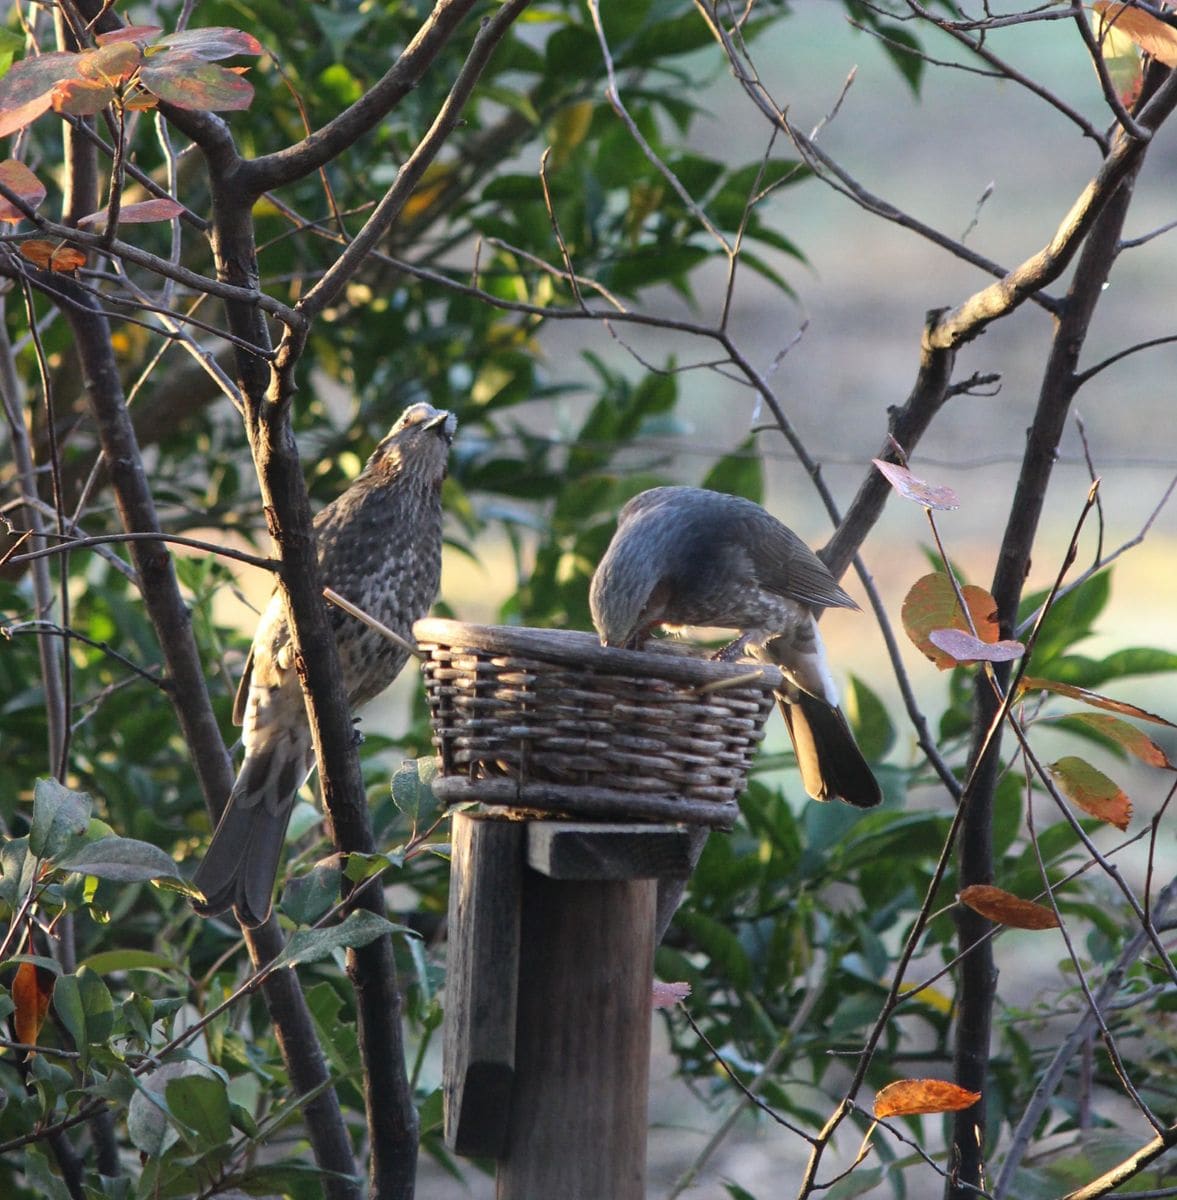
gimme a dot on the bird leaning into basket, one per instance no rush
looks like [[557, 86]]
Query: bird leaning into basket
[[379, 546], [689, 556]]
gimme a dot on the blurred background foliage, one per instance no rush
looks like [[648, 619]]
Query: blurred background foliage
[[792, 924]]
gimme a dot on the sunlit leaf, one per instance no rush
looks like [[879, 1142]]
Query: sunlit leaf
[[160, 209], [32, 989], [188, 81], [1007, 909], [17, 178], [81, 97], [213, 42], [931, 605], [435, 181], [53, 256], [1150, 34], [914, 1097], [1095, 699], [112, 63], [1126, 735], [1092, 790], [911, 487], [965, 648]]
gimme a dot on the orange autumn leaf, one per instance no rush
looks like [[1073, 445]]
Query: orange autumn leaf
[[931, 605], [1007, 909], [32, 988], [1125, 735], [53, 256], [19, 180], [1092, 790], [1095, 699], [917, 1097]]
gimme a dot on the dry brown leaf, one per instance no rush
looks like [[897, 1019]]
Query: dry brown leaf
[[53, 256], [32, 987], [915, 1097], [1007, 909]]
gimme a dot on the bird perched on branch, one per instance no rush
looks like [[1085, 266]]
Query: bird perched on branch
[[688, 556], [379, 547]]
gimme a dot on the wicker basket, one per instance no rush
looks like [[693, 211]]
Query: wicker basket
[[550, 720]]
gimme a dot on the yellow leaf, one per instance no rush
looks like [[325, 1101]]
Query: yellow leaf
[[1150, 34]]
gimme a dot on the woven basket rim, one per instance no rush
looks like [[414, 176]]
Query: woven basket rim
[[573, 647]]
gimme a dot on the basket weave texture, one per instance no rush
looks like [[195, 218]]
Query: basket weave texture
[[550, 720]]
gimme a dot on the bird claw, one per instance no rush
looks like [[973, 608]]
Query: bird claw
[[732, 650]]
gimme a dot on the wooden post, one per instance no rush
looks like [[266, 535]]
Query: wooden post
[[548, 998], [577, 1128], [478, 1046]]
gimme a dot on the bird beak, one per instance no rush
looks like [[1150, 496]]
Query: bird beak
[[445, 423]]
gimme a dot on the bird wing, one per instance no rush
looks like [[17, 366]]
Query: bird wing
[[785, 564]]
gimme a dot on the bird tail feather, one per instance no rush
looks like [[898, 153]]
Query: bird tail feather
[[832, 766], [241, 863]]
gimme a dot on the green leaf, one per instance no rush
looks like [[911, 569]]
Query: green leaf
[[201, 1104], [305, 898], [18, 871], [358, 929], [126, 860], [60, 817], [40, 1176], [739, 473], [84, 1004], [1071, 618], [873, 728], [106, 962]]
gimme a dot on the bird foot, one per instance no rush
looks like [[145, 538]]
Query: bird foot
[[732, 651]]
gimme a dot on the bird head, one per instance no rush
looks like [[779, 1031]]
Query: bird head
[[419, 440], [628, 594]]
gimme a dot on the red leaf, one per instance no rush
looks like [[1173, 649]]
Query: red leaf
[[914, 1097], [17, 178], [931, 606], [26, 91], [134, 214], [187, 81], [32, 987], [1007, 909], [1092, 791], [53, 256], [911, 487], [667, 995], [130, 33], [965, 648], [213, 42]]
